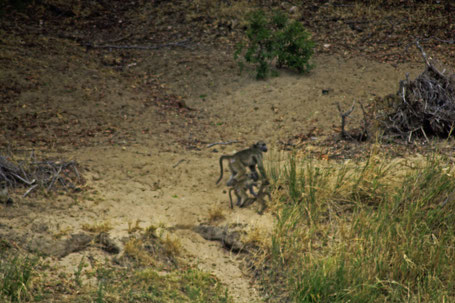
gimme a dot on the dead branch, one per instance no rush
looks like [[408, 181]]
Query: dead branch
[[54, 178], [364, 133], [423, 107], [426, 59], [358, 135], [177, 164], [29, 190], [46, 174], [343, 118]]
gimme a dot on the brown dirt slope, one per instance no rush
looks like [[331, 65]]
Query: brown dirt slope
[[139, 121]]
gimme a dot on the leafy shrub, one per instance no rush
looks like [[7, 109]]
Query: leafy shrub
[[275, 38]]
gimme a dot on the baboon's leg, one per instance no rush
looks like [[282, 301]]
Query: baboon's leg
[[230, 181], [240, 197], [249, 201], [238, 173], [245, 201], [251, 190], [241, 193], [230, 197], [264, 205]]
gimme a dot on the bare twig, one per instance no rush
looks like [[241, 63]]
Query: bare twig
[[364, 134], [424, 55], [29, 190], [343, 118], [177, 164], [55, 178], [445, 41], [223, 143], [424, 134], [426, 59], [76, 171], [24, 180]]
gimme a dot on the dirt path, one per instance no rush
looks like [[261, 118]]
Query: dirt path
[[154, 192]]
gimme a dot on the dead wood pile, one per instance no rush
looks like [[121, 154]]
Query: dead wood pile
[[424, 107], [47, 174]]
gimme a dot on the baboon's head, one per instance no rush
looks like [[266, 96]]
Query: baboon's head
[[261, 146]]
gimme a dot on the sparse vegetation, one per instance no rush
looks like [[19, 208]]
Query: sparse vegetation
[[142, 276], [78, 272], [215, 214], [97, 227], [75, 85], [148, 285], [16, 276], [134, 249], [172, 247], [149, 278], [134, 228], [275, 38], [376, 231]]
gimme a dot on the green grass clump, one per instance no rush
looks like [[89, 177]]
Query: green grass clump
[[148, 284], [275, 38], [377, 231], [16, 275]]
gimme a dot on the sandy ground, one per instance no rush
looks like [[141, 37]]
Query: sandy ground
[[163, 174]]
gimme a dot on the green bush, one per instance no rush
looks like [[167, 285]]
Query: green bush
[[275, 38]]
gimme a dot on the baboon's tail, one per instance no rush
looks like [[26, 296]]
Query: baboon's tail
[[221, 168]]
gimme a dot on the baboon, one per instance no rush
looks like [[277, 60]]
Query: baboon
[[240, 188], [239, 161], [260, 196]]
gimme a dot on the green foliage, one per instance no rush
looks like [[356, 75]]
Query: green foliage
[[15, 275], [146, 285], [275, 38], [377, 231], [78, 272]]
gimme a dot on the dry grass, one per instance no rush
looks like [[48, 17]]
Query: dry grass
[[134, 249], [372, 231], [215, 214], [172, 247], [256, 237], [134, 228], [100, 227]]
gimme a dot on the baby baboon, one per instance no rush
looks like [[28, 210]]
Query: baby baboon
[[262, 192], [240, 189], [239, 161], [244, 200]]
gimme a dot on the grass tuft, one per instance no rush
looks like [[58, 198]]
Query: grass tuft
[[98, 227], [215, 214], [16, 276]]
